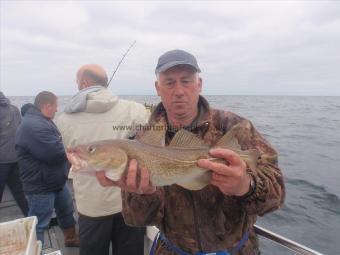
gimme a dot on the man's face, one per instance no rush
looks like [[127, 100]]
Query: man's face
[[51, 109], [179, 88]]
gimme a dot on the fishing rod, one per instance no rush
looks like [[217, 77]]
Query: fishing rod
[[121, 62]]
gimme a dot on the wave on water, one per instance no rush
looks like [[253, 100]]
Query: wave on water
[[310, 216], [316, 194], [305, 204]]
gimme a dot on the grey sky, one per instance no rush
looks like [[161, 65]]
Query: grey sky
[[243, 47]]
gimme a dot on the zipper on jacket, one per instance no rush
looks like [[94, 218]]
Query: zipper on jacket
[[196, 227]]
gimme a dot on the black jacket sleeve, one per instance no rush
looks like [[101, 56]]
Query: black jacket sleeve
[[45, 144]]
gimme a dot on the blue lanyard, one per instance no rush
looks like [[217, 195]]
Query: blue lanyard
[[178, 251], [213, 253]]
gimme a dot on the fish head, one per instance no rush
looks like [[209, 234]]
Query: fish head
[[101, 156]]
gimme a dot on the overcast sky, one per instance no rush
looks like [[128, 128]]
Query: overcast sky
[[243, 47]]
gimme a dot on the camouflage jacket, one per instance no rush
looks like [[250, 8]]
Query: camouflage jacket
[[207, 220]]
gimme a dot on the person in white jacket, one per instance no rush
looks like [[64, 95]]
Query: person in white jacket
[[94, 114]]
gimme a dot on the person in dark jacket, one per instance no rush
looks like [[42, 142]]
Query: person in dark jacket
[[9, 171], [44, 167]]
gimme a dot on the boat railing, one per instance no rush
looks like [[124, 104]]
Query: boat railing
[[297, 248], [8, 206], [285, 242]]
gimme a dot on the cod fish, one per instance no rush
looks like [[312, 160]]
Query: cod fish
[[172, 164]]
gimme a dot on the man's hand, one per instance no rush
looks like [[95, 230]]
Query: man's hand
[[231, 178], [136, 180]]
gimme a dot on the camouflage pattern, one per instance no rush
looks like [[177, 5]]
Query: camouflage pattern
[[207, 220]]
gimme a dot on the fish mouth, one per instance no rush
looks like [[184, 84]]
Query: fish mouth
[[78, 162]]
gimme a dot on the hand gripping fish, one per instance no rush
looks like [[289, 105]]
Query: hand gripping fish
[[172, 164]]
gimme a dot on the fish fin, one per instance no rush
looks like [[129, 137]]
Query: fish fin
[[154, 136], [116, 174], [198, 179], [251, 157], [194, 185], [184, 138], [228, 141], [231, 139], [161, 181]]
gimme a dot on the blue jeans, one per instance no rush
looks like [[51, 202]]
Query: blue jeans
[[42, 205]]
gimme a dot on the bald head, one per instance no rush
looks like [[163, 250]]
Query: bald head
[[90, 75]]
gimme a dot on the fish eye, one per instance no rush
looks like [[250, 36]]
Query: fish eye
[[91, 149]]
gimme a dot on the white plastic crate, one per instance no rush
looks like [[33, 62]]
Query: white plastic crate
[[18, 237], [58, 252], [39, 247]]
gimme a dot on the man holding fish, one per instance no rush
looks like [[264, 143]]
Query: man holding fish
[[199, 174]]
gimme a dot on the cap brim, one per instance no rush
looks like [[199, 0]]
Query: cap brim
[[175, 63]]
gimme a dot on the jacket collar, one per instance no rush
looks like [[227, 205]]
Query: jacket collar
[[200, 124], [32, 110]]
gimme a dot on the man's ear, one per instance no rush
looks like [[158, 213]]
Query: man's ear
[[200, 82], [86, 82], [157, 88], [44, 109]]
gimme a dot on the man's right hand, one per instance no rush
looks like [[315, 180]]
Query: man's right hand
[[130, 182]]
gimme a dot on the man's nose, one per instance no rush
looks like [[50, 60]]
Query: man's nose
[[178, 90]]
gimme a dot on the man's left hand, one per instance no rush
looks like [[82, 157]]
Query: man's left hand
[[231, 178]]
